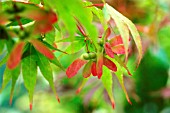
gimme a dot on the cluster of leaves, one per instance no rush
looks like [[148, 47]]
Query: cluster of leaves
[[28, 40]]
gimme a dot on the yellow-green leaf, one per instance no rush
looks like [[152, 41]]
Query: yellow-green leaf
[[123, 25], [107, 82], [15, 76], [46, 71], [29, 72]]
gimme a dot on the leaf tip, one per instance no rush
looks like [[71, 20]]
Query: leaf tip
[[129, 102], [113, 104], [129, 73], [30, 106], [58, 99], [78, 90]]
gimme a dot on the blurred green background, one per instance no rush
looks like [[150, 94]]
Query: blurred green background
[[148, 88]]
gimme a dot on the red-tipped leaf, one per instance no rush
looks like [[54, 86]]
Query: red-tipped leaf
[[118, 49], [109, 64], [99, 65], [15, 56], [75, 67], [30, 106], [82, 85], [39, 46], [107, 33], [93, 69], [108, 50], [116, 41]]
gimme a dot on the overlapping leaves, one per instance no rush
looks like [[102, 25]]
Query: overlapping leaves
[[26, 52]]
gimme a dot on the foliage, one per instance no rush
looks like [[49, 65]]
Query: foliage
[[31, 35]]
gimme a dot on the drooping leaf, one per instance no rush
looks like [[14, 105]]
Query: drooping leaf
[[121, 81], [29, 72], [46, 71], [122, 27], [121, 63], [15, 55], [15, 75], [136, 38], [42, 48], [82, 85], [93, 69], [107, 33], [108, 50], [119, 75], [87, 69], [74, 67], [107, 82], [99, 64], [109, 64]]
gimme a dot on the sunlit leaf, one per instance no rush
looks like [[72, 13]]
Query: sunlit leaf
[[107, 82], [123, 25], [15, 75], [119, 75], [75, 67], [46, 71], [29, 72], [122, 64]]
